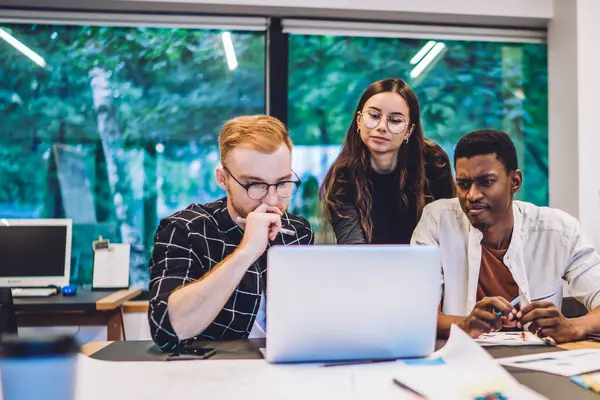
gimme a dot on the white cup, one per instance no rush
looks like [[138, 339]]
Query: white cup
[[38, 367]]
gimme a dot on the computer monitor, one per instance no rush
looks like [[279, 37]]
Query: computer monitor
[[35, 252]]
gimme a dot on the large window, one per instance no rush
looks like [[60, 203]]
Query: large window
[[116, 127], [461, 86]]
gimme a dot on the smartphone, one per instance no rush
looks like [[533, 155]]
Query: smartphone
[[191, 354], [593, 337]]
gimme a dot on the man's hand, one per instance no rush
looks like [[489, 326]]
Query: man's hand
[[261, 225], [484, 316], [547, 320]]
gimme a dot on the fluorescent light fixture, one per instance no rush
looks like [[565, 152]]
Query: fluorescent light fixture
[[421, 53], [229, 50], [33, 56], [428, 59]]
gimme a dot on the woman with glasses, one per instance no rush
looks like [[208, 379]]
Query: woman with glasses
[[386, 172]]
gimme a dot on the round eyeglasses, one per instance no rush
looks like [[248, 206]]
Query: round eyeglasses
[[258, 190], [371, 119]]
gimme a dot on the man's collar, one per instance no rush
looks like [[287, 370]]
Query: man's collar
[[223, 218]]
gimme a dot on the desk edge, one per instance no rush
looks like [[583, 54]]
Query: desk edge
[[117, 298]]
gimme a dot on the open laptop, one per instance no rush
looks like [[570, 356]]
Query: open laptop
[[330, 303], [35, 254]]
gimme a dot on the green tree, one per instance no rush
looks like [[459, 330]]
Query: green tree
[[127, 115]]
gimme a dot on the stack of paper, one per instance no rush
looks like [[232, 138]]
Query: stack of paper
[[510, 339], [565, 363], [469, 372]]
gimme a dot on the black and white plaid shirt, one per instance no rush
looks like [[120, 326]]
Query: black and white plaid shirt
[[190, 243]]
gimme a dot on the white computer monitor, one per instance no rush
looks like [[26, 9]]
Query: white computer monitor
[[35, 252]]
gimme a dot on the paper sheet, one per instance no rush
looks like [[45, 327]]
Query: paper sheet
[[509, 339], [564, 363], [111, 267], [469, 372]]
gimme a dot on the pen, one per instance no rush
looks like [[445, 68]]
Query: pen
[[285, 231], [512, 303], [546, 339], [543, 297]]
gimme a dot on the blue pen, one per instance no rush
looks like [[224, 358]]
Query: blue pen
[[512, 303]]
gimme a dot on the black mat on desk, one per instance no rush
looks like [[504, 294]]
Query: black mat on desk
[[145, 350]]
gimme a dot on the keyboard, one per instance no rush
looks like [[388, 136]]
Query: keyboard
[[33, 292]]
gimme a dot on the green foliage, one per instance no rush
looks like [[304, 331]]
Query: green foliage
[[471, 85], [172, 90]]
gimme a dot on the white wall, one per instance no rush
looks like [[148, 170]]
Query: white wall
[[136, 326], [588, 86], [476, 12], [574, 131], [83, 334], [562, 115], [506, 8]]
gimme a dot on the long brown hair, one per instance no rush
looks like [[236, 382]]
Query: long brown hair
[[351, 168]]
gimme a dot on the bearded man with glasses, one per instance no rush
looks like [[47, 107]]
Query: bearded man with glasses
[[208, 267]]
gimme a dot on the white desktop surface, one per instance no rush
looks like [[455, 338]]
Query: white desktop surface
[[233, 379]]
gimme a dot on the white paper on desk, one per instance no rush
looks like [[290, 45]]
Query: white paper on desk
[[509, 339], [234, 379], [469, 371], [111, 267], [564, 363]]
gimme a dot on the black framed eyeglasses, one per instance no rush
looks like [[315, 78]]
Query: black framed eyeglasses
[[258, 190], [371, 119]]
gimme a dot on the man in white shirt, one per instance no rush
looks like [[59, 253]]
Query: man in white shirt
[[495, 249]]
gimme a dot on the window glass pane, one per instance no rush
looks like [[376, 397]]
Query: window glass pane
[[461, 86], [116, 127]]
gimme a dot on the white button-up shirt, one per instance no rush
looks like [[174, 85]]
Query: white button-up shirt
[[546, 248]]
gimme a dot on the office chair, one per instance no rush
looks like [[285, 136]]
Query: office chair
[[8, 318]]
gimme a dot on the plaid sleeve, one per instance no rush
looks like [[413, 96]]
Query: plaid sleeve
[[174, 263]]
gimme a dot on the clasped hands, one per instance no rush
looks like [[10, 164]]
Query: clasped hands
[[544, 319]]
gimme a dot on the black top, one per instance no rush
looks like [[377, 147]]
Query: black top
[[187, 245], [393, 220], [393, 223]]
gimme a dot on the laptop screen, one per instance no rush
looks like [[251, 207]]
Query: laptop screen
[[32, 251]]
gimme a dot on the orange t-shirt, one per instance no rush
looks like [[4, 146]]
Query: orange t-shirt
[[495, 279]]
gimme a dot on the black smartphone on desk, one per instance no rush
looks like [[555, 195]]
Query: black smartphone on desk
[[593, 337], [191, 354]]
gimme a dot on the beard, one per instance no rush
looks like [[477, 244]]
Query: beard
[[482, 226]]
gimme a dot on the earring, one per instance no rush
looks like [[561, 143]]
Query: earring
[[358, 130], [406, 140]]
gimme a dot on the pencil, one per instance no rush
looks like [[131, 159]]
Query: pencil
[[285, 231]]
